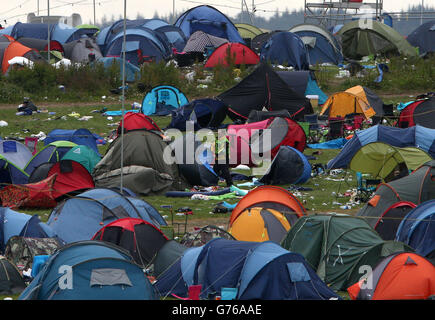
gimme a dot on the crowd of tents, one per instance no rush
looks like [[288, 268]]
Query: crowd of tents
[[120, 247]]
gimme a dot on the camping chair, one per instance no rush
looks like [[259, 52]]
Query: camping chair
[[336, 128], [314, 133], [353, 122], [365, 187], [31, 143]]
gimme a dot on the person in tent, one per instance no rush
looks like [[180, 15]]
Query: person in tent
[[222, 160]]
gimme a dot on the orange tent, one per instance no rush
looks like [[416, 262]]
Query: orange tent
[[346, 102], [14, 49], [401, 276]]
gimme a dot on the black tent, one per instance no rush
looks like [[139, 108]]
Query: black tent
[[264, 88], [11, 281]]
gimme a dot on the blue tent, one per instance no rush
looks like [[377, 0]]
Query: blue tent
[[13, 223], [209, 20], [257, 270], [52, 152], [322, 46], [173, 34], [417, 229], [205, 113], [423, 37], [132, 72], [99, 271], [304, 83], [10, 173], [79, 136], [286, 48], [58, 32], [15, 152], [162, 99], [416, 136], [79, 218]]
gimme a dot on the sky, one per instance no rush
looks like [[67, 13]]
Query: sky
[[17, 10]]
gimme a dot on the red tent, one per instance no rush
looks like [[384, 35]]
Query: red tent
[[64, 177], [136, 121], [246, 138], [241, 53]]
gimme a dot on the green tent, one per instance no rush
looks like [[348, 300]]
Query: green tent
[[248, 31], [145, 170], [417, 187], [380, 159], [337, 245], [84, 155], [359, 40]]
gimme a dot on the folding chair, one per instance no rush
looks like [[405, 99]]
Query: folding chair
[[314, 127], [365, 187], [336, 128]]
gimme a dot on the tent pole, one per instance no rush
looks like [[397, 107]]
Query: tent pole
[[123, 96], [48, 28]]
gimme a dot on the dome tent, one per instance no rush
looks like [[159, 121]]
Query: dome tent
[[100, 271], [257, 270]]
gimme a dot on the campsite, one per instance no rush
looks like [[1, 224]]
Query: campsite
[[207, 159]]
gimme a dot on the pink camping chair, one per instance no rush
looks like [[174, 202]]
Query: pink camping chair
[[31, 143]]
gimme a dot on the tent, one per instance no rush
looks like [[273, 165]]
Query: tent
[[416, 188], [270, 197], [247, 31], [401, 276], [355, 100], [260, 224], [166, 256], [417, 136], [52, 152], [137, 121], [99, 271], [132, 72], [304, 83], [11, 280], [201, 113], [142, 239], [80, 218], [371, 39], [195, 161], [390, 219], [90, 29], [420, 112], [145, 170], [337, 245], [199, 40], [200, 236], [286, 48], [160, 100], [15, 152], [289, 166], [80, 136], [13, 223], [417, 229], [41, 45], [10, 173], [259, 40], [81, 49], [322, 46], [209, 20], [255, 270], [10, 50], [22, 250], [232, 53], [83, 155], [62, 178], [59, 32], [249, 142], [174, 35], [423, 37], [264, 89], [380, 160], [142, 45]]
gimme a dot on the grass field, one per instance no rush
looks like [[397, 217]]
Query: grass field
[[323, 193]]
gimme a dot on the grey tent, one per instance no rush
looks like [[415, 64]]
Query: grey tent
[[145, 170], [199, 40], [417, 187], [11, 281], [169, 253], [81, 49]]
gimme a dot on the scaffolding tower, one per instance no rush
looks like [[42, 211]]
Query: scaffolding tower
[[328, 13]]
